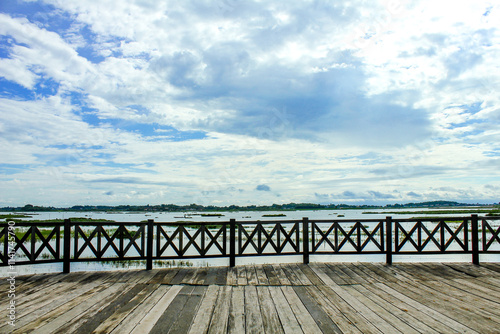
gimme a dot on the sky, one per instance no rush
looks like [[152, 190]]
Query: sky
[[249, 102]]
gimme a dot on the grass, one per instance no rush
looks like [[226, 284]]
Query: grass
[[274, 215], [11, 216]]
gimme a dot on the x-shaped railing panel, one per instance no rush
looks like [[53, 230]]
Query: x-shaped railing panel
[[495, 235]]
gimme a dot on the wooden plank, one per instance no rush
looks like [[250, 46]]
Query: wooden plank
[[340, 276], [436, 299], [300, 274], [171, 273], [270, 318], [190, 276], [369, 275], [378, 273], [106, 311], [318, 314], [261, 276], [70, 317], [285, 313], [41, 312], [413, 309], [221, 276], [444, 271], [109, 324], [490, 282], [388, 310], [185, 318], [423, 306], [305, 320], [221, 314], [211, 276], [344, 324], [172, 312], [199, 278], [380, 309], [242, 275], [130, 322], [354, 274], [290, 274], [251, 275], [237, 311], [201, 322], [281, 275], [311, 275], [492, 266], [253, 316], [158, 277], [177, 279], [365, 311], [320, 271], [459, 296], [232, 276], [148, 322], [348, 311], [272, 276]]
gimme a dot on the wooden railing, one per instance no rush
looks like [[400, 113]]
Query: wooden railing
[[68, 242]]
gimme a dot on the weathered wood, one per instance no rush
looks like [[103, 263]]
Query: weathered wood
[[375, 298], [201, 322], [188, 313], [412, 308], [318, 314], [127, 324], [149, 321], [300, 274], [340, 320], [380, 309], [242, 275], [70, 313], [172, 312], [109, 324], [232, 276], [253, 316], [270, 318], [285, 313], [290, 274], [271, 274], [421, 305], [237, 311], [251, 275], [220, 317], [261, 276], [305, 319]]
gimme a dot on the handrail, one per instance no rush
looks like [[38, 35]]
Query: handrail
[[72, 241]]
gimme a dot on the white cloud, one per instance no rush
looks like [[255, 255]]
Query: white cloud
[[313, 100]]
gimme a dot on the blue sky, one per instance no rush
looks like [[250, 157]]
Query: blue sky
[[248, 102]]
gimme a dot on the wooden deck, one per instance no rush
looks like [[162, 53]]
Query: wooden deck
[[290, 298]]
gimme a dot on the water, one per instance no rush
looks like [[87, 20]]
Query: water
[[241, 216]]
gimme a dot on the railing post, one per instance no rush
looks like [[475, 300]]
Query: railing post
[[67, 246], [149, 250], [305, 240], [475, 239], [232, 242], [388, 240]]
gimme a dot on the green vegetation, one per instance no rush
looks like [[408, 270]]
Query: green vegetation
[[435, 212], [275, 215], [232, 208], [11, 216]]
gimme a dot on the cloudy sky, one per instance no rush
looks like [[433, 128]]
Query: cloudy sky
[[249, 102]]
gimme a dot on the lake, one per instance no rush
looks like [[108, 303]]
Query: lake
[[242, 216]]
